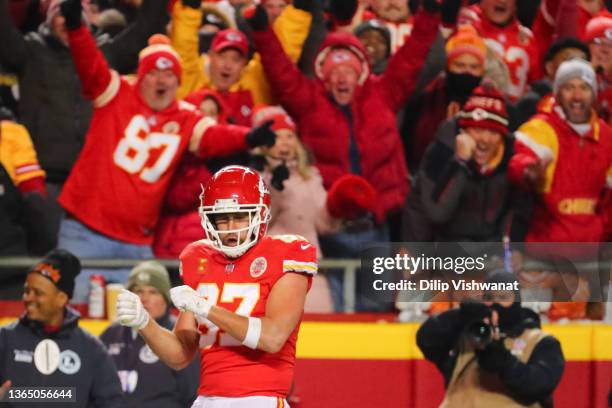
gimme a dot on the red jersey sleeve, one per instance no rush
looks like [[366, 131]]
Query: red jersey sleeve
[[193, 263], [100, 84], [299, 255]]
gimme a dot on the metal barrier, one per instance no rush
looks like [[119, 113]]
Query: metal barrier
[[350, 267]]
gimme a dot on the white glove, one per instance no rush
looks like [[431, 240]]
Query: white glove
[[130, 311], [187, 300]]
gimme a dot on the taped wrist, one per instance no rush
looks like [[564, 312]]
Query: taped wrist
[[253, 333]]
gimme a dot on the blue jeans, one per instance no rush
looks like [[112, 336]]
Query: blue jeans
[[87, 243], [348, 245]]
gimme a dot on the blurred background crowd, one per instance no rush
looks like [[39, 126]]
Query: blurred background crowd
[[392, 120]]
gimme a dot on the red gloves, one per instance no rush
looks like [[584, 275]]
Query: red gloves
[[350, 197]]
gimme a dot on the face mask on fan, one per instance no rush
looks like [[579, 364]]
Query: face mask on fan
[[460, 86]]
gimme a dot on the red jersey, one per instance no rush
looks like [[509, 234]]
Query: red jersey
[[242, 285], [571, 204], [119, 181], [514, 44]]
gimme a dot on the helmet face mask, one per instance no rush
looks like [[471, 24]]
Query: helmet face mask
[[234, 191]]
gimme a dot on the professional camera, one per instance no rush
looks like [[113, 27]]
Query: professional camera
[[480, 333]]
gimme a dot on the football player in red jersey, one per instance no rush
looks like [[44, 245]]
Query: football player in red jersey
[[242, 301], [138, 132]]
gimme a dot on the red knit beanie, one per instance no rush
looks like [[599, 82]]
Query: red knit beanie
[[158, 55], [485, 109], [280, 118], [338, 57]]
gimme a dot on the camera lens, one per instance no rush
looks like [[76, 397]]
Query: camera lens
[[480, 332]]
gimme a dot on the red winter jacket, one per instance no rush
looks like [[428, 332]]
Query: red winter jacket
[[573, 201], [325, 129]]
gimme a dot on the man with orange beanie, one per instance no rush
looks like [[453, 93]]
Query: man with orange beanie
[[441, 100], [137, 135]]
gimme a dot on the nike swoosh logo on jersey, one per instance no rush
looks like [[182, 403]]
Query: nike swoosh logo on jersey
[[304, 246]]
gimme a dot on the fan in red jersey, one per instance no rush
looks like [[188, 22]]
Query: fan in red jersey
[[496, 22], [138, 133], [242, 302]]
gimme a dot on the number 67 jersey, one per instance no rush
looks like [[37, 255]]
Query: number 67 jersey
[[242, 285]]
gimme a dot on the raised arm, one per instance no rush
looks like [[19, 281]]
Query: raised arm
[[122, 51], [442, 177], [402, 73], [294, 90], [212, 140], [98, 82], [186, 21], [291, 28]]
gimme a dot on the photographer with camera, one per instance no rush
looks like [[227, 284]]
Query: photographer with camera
[[493, 353]]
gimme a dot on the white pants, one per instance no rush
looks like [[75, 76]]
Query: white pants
[[241, 402]]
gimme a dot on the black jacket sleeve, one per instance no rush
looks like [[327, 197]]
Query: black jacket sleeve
[[106, 387], [442, 178], [122, 51], [13, 49], [438, 336], [537, 379]]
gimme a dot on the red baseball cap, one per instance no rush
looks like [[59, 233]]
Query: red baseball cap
[[230, 38]]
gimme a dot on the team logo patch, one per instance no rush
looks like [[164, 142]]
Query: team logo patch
[[144, 277], [480, 114], [147, 355], [245, 110], [70, 362], [46, 356], [258, 267], [163, 63], [49, 271], [171, 127], [233, 37]]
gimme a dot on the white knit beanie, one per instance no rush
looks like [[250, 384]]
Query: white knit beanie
[[572, 69]]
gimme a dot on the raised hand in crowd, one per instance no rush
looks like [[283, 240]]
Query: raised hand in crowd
[[342, 10], [72, 11], [448, 9], [262, 135], [256, 17], [464, 147]]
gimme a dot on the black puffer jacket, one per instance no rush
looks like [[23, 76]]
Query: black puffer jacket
[[452, 202]]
